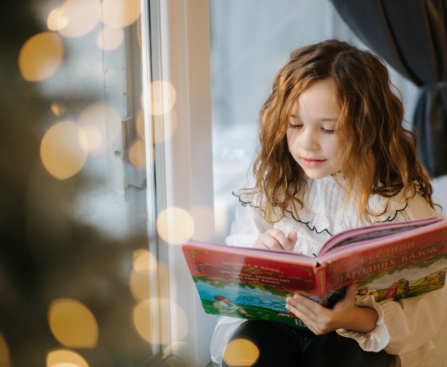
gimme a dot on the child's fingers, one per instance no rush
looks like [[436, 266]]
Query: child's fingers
[[280, 238], [307, 321], [272, 243], [350, 294], [292, 237], [348, 300]]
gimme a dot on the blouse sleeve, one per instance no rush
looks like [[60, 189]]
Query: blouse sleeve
[[406, 327], [247, 226]]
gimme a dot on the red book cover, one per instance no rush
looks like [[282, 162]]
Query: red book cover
[[393, 261]]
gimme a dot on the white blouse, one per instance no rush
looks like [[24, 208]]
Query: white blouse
[[404, 328]]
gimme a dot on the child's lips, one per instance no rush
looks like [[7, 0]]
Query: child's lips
[[312, 162]]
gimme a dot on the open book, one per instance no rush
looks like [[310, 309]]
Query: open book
[[387, 261]]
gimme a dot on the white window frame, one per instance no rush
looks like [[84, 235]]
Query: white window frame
[[187, 156]]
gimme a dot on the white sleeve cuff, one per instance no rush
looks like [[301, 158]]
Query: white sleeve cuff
[[378, 338]]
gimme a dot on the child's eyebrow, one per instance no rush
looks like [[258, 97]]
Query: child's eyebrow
[[329, 119]]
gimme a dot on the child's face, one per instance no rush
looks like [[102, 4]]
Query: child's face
[[311, 133]]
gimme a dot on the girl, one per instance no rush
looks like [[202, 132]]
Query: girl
[[333, 155]]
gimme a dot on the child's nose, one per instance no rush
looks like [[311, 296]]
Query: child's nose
[[309, 140]]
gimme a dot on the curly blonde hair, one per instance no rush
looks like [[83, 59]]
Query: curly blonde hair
[[378, 155]]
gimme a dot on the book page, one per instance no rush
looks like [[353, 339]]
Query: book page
[[372, 233]]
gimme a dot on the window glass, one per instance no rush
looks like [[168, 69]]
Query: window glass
[[75, 268]]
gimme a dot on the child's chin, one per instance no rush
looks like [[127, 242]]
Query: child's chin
[[315, 174]]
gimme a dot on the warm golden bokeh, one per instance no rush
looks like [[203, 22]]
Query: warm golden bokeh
[[176, 348], [94, 139], [140, 284], [5, 359], [148, 324], [82, 16], [110, 38], [73, 324], [167, 126], [106, 122], [240, 352], [175, 225], [65, 358], [139, 124], [56, 21], [203, 217], [120, 13], [63, 150], [41, 56], [137, 154], [140, 281], [143, 261], [58, 109], [164, 96]]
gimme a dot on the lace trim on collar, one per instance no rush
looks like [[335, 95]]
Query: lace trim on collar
[[418, 186], [245, 203]]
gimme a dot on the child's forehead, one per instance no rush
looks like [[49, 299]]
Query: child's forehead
[[318, 101]]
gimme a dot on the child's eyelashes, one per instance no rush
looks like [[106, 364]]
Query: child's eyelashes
[[297, 126], [328, 131]]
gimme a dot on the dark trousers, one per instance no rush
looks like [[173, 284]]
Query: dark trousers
[[281, 345]]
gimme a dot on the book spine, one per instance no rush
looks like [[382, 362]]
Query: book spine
[[321, 280]]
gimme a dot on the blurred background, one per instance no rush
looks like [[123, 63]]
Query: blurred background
[[73, 213], [83, 266]]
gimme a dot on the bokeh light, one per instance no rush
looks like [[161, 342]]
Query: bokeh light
[[177, 348], [140, 282], [139, 124], [143, 261], [137, 154], [93, 137], [73, 324], [82, 16], [170, 123], [58, 108], [63, 149], [110, 38], [168, 126], [106, 122], [175, 225], [148, 324], [203, 217], [163, 98], [240, 352], [56, 21], [65, 358], [41, 56], [5, 359], [120, 13]]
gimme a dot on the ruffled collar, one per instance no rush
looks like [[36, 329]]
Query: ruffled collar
[[325, 209]]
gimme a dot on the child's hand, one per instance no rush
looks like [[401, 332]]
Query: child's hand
[[274, 239], [344, 315]]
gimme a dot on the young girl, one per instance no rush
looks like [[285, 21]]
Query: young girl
[[333, 155]]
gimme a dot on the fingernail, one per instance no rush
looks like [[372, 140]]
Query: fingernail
[[296, 296]]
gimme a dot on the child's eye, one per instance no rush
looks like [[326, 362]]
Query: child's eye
[[295, 126], [328, 131]]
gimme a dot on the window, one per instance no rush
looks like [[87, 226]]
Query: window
[[127, 125]]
